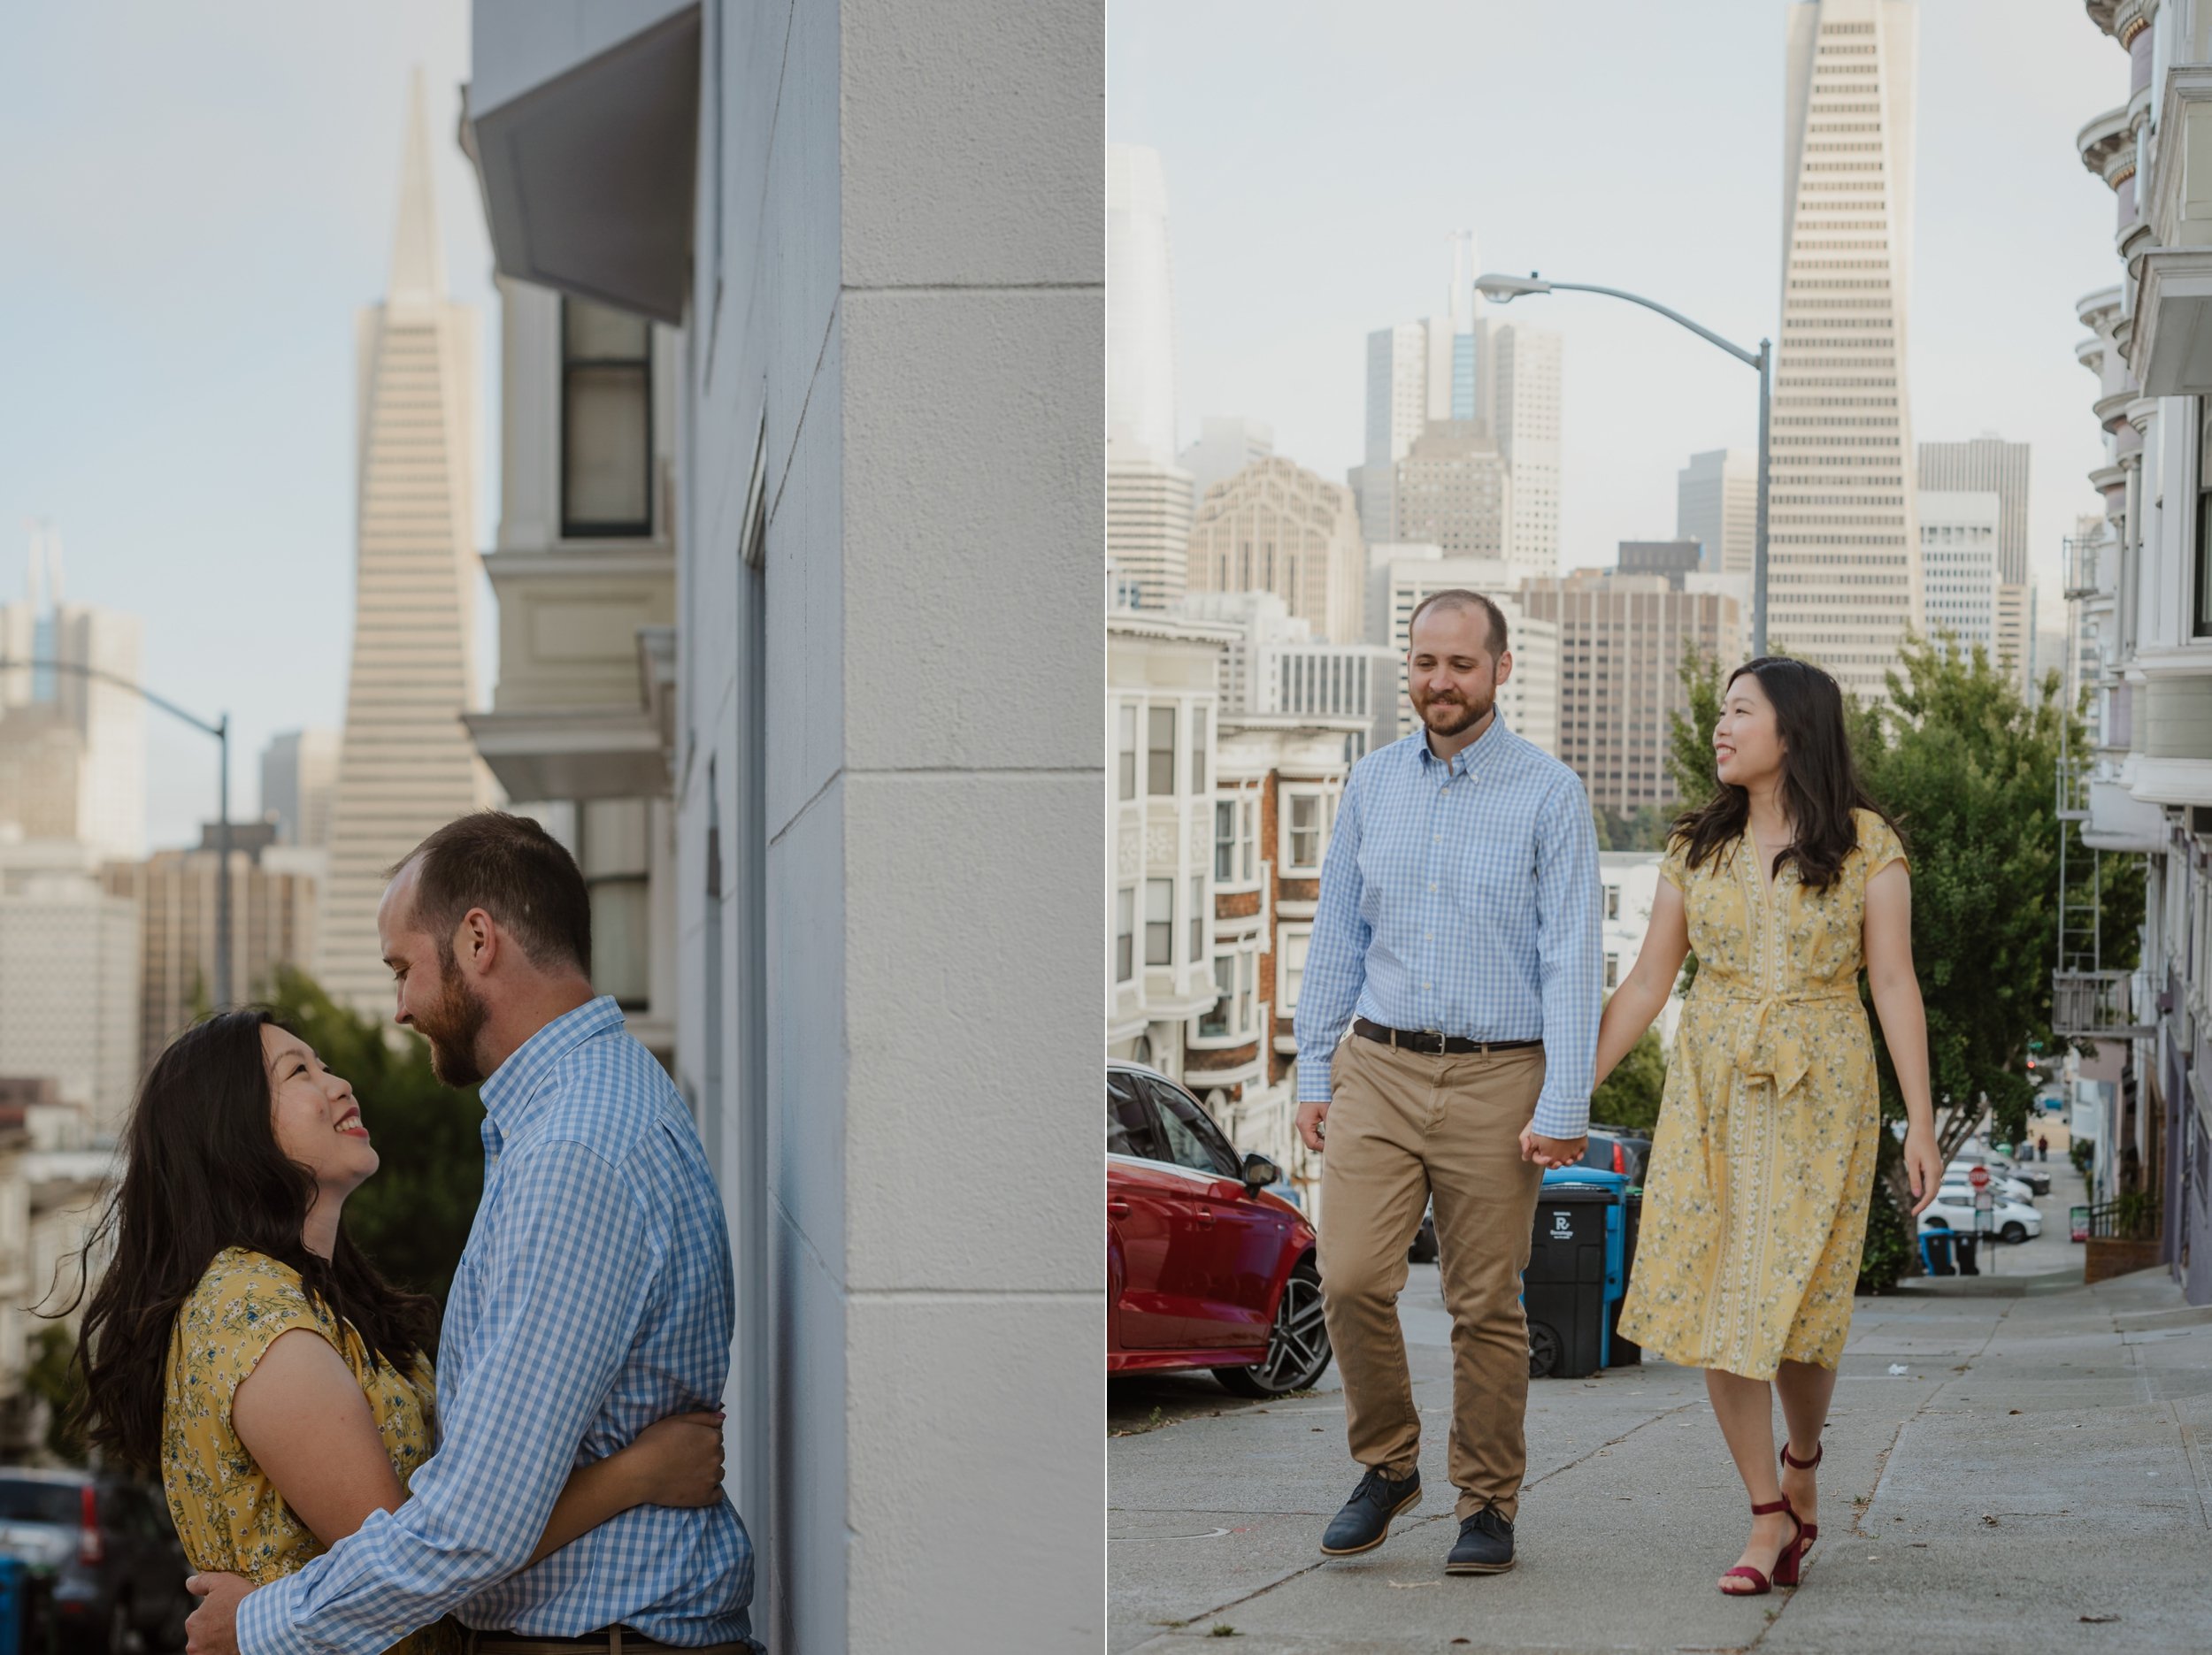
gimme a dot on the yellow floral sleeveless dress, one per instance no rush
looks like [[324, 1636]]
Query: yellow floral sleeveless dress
[[1762, 1163], [229, 1516]]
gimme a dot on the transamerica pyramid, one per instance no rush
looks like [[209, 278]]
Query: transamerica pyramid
[[1845, 557], [406, 765]]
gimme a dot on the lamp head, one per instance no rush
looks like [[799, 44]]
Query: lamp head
[[1504, 289]]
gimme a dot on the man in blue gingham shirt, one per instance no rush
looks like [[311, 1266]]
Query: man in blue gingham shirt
[[593, 1298], [1458, 936]]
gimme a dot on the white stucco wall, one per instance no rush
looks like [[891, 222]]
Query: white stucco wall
[[899, 287]]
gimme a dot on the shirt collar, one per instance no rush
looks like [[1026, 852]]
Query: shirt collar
[[1483, 749], [510, 1090]]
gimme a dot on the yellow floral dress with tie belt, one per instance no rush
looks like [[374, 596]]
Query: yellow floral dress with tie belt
[[1762, 1163]]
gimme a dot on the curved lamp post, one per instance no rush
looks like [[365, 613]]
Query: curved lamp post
[[1504, 289], [220, 731]]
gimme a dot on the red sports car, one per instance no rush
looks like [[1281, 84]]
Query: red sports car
[[1205, 1268]]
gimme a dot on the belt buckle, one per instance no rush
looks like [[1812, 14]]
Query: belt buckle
[[1429, 1042]]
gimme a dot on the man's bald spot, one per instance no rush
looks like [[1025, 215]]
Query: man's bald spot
[[1456, 600]]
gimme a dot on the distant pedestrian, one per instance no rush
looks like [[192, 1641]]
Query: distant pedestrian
[[1457, 933], [1762, 1163], [2042, 1147]]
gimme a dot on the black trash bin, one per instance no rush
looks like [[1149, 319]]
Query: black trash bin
[[1625, 1353], [1564, 1287], [1964, 1244], [1935, 1246]]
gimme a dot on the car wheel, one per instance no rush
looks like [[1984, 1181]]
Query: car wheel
[[1543, 1350], [2014, 1232], [1297, 1345]]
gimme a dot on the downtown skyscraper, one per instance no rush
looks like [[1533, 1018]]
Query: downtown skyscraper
[[405, 765], [1466, 369], [1844, 537], [1148, 496]]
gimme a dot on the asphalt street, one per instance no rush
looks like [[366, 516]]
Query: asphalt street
[[2034, 1480]]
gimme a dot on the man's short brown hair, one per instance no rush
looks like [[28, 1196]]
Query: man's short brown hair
[[1460, 598], [516, 872]]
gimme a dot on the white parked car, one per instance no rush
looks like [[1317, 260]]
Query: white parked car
[[2014, 1220]]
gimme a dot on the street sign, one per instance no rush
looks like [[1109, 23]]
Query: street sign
[[1979, 1178]]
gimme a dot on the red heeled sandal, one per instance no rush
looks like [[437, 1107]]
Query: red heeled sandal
[[1812, 1531], [1784, 1560]]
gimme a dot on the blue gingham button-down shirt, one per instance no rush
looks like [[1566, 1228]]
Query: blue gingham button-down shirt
[[1463, 898], [593, 1298]]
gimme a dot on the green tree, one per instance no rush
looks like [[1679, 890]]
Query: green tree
[[412, 1218], [1630, 1096], [1644, 828], [53, 1379]]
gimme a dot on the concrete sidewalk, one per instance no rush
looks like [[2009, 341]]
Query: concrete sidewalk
[[2034, 1481]]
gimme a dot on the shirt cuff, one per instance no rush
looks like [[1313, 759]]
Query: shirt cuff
[[264, 1622], [1567, 1118], [1313, 1078]]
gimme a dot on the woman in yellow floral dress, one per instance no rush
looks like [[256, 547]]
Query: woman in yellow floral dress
[[239, 1343], [1784, 885]]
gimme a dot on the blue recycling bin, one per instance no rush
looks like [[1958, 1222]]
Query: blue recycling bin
[[1576, 1272], [14, 1581]]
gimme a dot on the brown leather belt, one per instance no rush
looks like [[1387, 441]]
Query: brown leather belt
[[1428, 1043], [615, 1639]]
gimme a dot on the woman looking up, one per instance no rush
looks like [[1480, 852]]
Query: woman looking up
[[1786, 884]]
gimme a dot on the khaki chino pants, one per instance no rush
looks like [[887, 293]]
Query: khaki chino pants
[[1403, 1127]]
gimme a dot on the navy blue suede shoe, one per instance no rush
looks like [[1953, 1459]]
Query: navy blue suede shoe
[[1364, 1522]]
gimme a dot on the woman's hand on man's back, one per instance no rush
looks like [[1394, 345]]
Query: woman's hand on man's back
[[677, 1462]]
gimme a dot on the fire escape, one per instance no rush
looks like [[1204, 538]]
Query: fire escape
[[2088, 1002]]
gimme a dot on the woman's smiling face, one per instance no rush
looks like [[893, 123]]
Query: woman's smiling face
[[1747, 740], [314, 1115]]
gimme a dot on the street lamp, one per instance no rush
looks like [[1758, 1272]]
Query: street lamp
[[1505, 289], [220, 731]]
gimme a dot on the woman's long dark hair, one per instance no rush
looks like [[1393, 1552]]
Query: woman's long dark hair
[[202, 1172], [1820, 784]]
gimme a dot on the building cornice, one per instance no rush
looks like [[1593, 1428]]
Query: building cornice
[[2101, 138]]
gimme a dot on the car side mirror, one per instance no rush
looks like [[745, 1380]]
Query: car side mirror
[[1259, 1172]]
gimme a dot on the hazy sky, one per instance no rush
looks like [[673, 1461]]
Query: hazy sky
[[194, 200], [1314, 165]]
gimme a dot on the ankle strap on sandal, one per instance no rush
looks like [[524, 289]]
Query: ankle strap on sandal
[[1804, 1465], [1771, 1506]]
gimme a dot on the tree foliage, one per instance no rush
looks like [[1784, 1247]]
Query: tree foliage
[[1630, 1096], [1967, 766], [412, 1218]]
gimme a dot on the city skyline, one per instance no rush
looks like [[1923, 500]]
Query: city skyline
[[1675, 93], [183, 400]]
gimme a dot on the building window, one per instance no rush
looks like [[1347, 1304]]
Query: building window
[[1124, 933], [1159, 779], [612, 852], [1305, 831], [1224, 841], [1612, 971], [1198, 916], [1125, 762], [606, 421], [1219, 1022], [1251, 838], [1159, 921], [1612, 901], [1290, 968], [2203, 602], [1198, 750]]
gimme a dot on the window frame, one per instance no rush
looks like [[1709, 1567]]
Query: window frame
[[1126, 727], [1125, 934], [1159, 760], [586, 529], [1286, 994], [1164, 1095], [1164, 924]]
